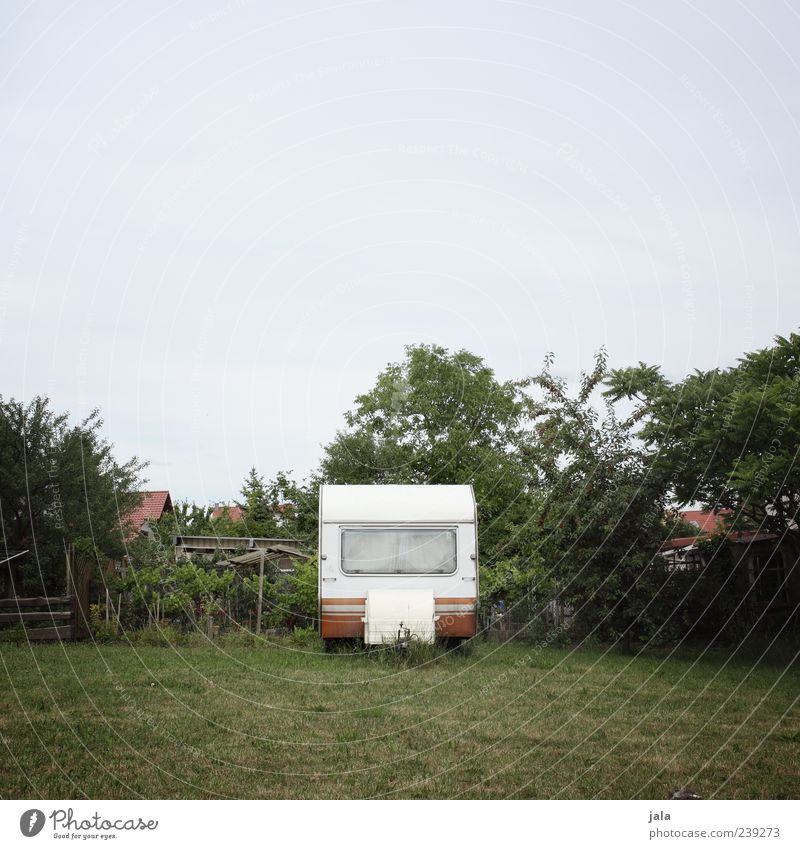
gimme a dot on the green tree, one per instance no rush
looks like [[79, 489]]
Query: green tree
[[302, 599], [438, 417], [189, 518], [289, 600], [727, 437], [186, 518], [279, 507], [59, 485], [597, 518], [181, 592], [256, 506], [294, 506]]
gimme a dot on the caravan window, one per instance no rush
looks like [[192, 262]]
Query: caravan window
[[399, 551]]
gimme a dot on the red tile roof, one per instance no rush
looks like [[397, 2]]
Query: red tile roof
[[153, 505], [678, 542], [235, 514], [733, 536], [706, 522]]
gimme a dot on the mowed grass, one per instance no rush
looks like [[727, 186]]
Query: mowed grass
[[114, 721]]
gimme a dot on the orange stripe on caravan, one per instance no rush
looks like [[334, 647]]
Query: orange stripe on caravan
[[328, 600], [470, 600], [457, 625], [341, 628]]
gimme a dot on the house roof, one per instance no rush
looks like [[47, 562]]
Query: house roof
[[706, 521], [678, 542], [152, 505], [741, 537], [235, 513]]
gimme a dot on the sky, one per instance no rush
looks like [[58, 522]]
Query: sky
[[219, 221]]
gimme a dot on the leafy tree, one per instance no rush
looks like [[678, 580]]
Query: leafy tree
[[279, 507], [288, 600], [728, 438], [438, 418], [597, 514], [59, 485], [294, 506], [256, 506], [189, 518], [302, 600], [182, 592]]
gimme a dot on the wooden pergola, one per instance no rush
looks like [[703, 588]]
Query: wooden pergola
[[273, 554]]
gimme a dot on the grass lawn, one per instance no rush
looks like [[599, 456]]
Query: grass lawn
[[114, 721]]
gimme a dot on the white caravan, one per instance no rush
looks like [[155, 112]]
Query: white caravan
[[397, 562]]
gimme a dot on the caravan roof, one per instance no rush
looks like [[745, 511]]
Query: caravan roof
[[397, 503]]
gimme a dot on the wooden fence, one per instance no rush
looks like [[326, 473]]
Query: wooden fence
[[63, 617], [55, 618]]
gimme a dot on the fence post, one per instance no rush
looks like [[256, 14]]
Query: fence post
[[78, 587], [81, 578], [67, 572], [260, 590], [69, 591]]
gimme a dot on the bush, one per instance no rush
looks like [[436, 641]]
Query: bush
[[102, 631], [306, 638], [184, 591]]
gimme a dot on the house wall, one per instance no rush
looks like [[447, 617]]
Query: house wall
[[762, 600]]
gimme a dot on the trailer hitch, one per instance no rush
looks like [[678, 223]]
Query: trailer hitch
[[403, 636]]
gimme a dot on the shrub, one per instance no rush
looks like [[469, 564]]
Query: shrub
[[102, 631], [306, 638], [183, 591]]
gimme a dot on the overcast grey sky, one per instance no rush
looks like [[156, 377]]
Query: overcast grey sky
[[219, 221]]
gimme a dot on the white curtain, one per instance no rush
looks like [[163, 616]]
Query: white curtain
[[404, 551]]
